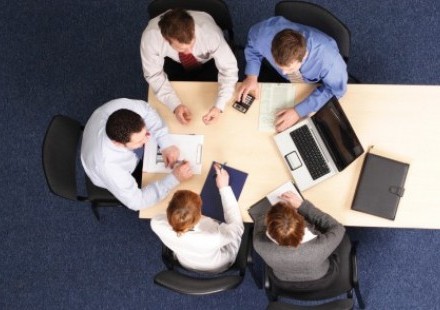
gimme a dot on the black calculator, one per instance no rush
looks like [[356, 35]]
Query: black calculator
[[245, 104]]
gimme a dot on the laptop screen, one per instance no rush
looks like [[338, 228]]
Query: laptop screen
[[337, 133]]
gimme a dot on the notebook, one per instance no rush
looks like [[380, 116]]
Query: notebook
[[380, 186], [212, 203], [319, 146]]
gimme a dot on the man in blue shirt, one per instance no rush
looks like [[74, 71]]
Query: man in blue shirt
[[297, 53]]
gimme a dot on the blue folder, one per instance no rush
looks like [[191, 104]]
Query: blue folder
[[212, 203]]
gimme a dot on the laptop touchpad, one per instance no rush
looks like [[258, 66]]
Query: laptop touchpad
[[293, 160]]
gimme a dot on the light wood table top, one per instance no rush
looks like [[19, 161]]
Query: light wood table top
[[399, 120]]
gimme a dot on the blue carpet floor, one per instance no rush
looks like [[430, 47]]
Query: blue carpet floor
[[70, 57]]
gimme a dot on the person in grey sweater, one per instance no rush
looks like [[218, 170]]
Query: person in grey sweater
[[296, 239]]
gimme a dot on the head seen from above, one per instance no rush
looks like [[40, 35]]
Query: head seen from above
[[289, 50], [184, 211], [178, 28], [285, 225], [127, 128]]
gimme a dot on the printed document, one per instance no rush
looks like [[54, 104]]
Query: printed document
[[190, 147], [274, 97]]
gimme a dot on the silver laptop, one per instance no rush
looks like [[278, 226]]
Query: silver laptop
[[320, 146]]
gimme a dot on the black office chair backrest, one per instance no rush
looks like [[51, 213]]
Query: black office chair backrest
[[313, 15], [196, 284], [346, 281], [60, 148], [216, 8]]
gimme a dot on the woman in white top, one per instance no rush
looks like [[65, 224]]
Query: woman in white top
[[200, 242]]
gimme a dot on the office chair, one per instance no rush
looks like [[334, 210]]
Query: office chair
[[181, 280], [216, 8], [313, 15], [345, 283], [60, 148]]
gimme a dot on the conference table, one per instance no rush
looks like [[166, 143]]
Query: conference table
[[400, 121]]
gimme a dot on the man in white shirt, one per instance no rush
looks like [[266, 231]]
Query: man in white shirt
[[112, 135], [192, 40], [200, 242]]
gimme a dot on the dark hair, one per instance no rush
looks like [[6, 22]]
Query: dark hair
[[122, 123], [285, 224], [184, 210], [287, 46], [177, 24]]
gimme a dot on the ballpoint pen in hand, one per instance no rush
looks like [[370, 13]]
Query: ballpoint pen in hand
[[222, 166]]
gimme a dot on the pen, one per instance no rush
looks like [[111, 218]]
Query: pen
[[221, 166]]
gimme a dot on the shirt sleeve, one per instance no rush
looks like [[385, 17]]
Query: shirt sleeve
[[226, 64], [152, 64], [233, 227], [333, 83], [331, 230], [124, 187], [251, 53], [156, 126]]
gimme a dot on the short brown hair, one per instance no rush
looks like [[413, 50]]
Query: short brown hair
[[287, 46], [184, 210], [285, 224], [122, 123], [177, 24]]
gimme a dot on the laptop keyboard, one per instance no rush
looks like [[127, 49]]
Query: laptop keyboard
[[310, 152]]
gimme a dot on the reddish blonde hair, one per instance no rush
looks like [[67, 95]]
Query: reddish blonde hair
[[288, 46], [184, 211], [285, 224]]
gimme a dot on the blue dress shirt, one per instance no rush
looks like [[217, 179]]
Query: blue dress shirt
[[323, 63]]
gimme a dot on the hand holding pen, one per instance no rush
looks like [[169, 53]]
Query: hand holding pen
[[222, 176], [182, 170]]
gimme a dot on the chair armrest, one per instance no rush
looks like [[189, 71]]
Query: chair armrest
[[354, 263]]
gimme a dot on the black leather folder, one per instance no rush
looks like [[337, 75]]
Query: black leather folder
[[380, 186]]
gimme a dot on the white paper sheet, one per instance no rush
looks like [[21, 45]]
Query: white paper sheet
[[190, 146], [274, 97], [274, 196]]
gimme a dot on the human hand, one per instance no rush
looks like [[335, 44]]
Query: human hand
[[182, 171], [213, 114], [183, 114], [170, 155], [285, 119], [222, 178], [292, 199], [250, 84]]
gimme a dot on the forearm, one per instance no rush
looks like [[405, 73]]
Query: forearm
[[163, 90], [252, 55], [313, 102], [321, 220], [231, 210], [227, 81], [152, 65], [226, 64], [158, 190]]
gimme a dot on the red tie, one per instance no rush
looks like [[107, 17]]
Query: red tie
[[188, 61]]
